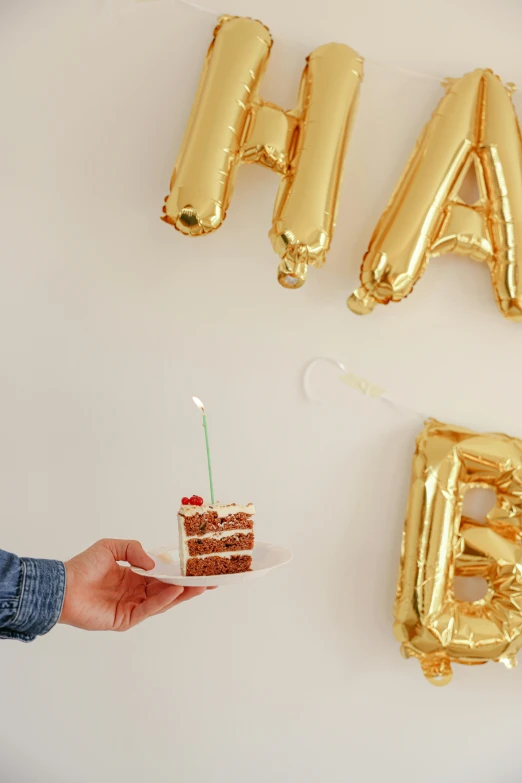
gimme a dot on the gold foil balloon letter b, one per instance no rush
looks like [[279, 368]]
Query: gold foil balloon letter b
[[439, 543], [230, 124], [474, 125]]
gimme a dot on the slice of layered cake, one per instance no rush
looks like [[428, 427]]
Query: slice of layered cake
[[215, 539]]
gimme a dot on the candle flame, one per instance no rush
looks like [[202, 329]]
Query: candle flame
[[199, 404]]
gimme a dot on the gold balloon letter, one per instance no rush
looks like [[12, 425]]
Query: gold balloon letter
[[230, 124], [474, 124], [438, 544]]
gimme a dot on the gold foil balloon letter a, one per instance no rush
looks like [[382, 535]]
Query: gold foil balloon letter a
[[439, 543], [474, 125], [230, 124]]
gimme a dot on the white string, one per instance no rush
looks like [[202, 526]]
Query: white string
[[356, 382], [299, 48], [305, 381]]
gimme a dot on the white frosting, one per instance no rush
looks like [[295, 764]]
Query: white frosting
[[221, 510], [182, 545], [222, 534], [224, 554]]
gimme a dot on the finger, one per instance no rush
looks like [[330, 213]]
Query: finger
[[130, 551], [154, 586], [169, 606], [190, 592], [155, 603], [184, 597]]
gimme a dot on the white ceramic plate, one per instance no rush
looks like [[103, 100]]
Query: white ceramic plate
[[265, 557]]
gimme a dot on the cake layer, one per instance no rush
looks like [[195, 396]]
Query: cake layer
[[221, 534], [211, 522], [214, 564], [219, 543]]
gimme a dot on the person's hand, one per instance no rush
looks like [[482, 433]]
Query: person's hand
[[101, 595]]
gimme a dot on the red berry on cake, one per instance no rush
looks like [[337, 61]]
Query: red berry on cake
[[185, 501], [193, 500]]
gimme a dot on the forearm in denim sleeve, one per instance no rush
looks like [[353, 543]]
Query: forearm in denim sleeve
[[31, 596]]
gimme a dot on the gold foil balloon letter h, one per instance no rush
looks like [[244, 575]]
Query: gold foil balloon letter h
[[230, 125]]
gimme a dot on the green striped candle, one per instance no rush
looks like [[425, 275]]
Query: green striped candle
[[202, 409]]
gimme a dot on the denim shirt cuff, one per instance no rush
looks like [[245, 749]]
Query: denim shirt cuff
[[41, 598]]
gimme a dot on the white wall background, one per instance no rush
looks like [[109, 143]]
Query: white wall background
[[110, 321]]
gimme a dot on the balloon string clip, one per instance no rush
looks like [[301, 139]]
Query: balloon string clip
[[355, 382]]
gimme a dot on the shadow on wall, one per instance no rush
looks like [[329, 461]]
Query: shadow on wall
[[372, 540]]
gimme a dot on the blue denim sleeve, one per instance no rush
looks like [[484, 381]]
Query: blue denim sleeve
[[31, 596]]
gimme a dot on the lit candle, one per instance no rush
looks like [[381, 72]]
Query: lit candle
[[202, 409]]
